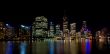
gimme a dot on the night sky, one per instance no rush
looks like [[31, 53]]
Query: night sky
[[96, 16]]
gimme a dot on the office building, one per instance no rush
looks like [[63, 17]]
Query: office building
[[40, 27], [2, 30], [10, 32], [65, 26], [73, 29], [58, 31], [84, 29], [24, 32], [51, 30]]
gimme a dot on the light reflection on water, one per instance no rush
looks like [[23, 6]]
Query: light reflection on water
[[23, 47], [78, 46], [51, 47], [9, 47], [62, 46]]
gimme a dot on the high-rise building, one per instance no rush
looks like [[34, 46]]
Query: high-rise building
[[84, 29], [65, 26], [2, 30], [10, 32], [40, 27], [51, 31], [58, 31], [73, 29], [24, 32]]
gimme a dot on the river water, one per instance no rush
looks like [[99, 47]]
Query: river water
[[49, 46]]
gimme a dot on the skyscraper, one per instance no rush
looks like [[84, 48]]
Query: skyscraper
[[73, 29], [58, 31], [40, 27], [24, 32], [2, 30], [65, 26], [84, 29], [51, 31], [10, 32]]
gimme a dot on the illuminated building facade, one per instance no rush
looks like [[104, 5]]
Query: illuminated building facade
[[78, 34], [51, 32], [2, 30], [84, 29], [73, 29], [98, 33], [40, 27], [10, 32], [58, 31], [104, 32], [65, 26], [24, 32]]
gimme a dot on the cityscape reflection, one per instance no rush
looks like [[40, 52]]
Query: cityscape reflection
[[9, 47], [23, 47], [50, 46]]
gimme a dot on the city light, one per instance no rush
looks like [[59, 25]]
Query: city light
[[22, 26], [23, 48], [7, 24], [41, 29]]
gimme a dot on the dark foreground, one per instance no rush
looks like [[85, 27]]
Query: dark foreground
[[78, 46]]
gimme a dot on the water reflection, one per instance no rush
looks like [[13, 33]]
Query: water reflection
[[60, 47], [101, 43], [9, 47], [77, 46], [83, 46], [23, 47], [51, 47], [40, 47], [86, 46], [2, 47]]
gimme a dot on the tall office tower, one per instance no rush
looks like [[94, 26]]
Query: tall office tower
[[24, 32], [58, 31], [51, 32], [2, 30], [65, 26], [73, 29], [10, 32], [40, 27], [84, 29]]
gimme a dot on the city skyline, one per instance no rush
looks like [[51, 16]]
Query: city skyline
[[94, 22]]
